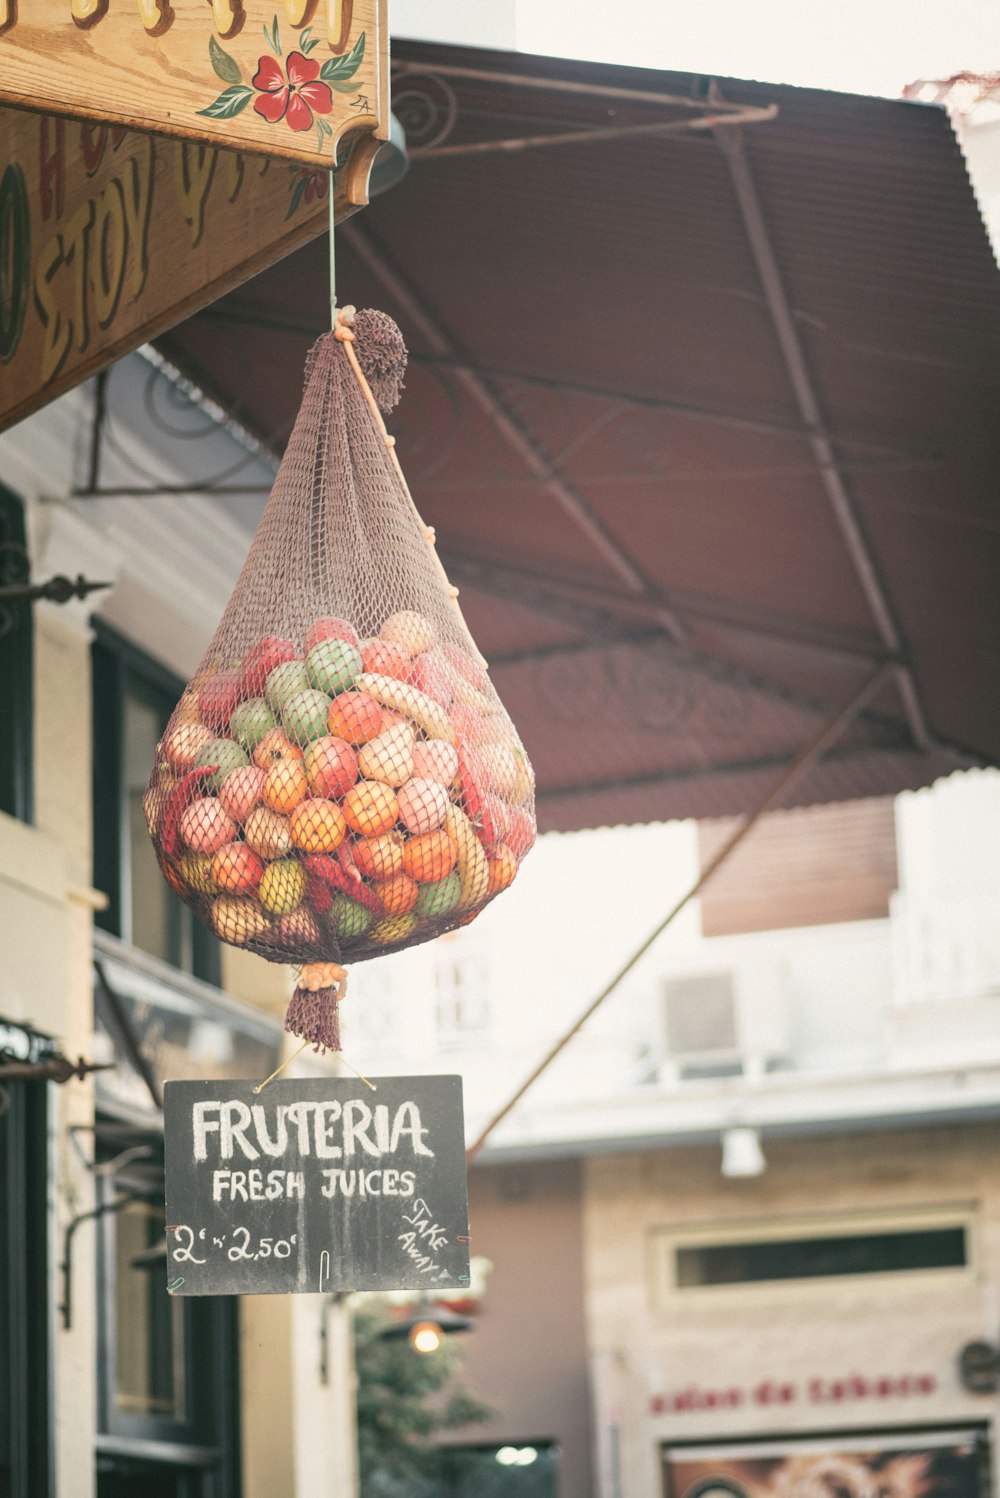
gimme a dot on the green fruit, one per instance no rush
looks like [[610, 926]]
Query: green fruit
[[348, 918], [251, 721], [334, 665], [304, 716], [224, 753], [284, 681], [282, 886], [440, 898]]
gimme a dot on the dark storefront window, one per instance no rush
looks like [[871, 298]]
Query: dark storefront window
[[527, 1470], [820, 1258], [133, 698], [16, 667], [25, 1465], [167, 1377]]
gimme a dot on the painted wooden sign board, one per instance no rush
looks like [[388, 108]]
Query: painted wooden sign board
[[291, 78], [316, 1185], [108, 237]]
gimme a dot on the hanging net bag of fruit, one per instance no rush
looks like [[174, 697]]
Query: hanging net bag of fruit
[[340, 779]]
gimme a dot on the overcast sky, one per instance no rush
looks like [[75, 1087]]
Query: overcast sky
[[862, 46]]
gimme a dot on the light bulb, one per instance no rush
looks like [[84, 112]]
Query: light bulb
[[425, 1337]]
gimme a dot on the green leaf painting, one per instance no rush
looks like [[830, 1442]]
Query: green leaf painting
[[226, 67], [337, 68], [231, 101], [272, 37]]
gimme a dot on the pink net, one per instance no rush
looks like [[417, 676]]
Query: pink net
[[340, 779]]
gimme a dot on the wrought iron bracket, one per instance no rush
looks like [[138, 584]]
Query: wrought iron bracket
[[57, 1068], [66, 1267]]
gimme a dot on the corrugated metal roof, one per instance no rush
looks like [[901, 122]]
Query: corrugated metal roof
[[609, 297]]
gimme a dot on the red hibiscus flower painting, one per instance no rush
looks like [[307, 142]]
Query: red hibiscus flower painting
[[295, 99]]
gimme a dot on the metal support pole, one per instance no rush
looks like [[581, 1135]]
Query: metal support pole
[[803, 763]]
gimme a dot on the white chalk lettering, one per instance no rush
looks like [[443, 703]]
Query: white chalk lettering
[[325, 1130], [412, 1250], [357, 1117], [325, 1148], [279, 1144], [236, 1118], [407, 1121], [203, 1126]]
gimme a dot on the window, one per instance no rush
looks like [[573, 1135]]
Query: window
[[462, 1007], [812, 866], [899, 1245], [25, 1467], [167, 1366], [16, 667], [817, 1258], [133, 699]]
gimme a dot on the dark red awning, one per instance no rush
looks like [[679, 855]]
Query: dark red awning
[[705, 418]]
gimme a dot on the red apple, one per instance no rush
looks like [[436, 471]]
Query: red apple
[[469, 724], [260, 660], [319, 895], [205, 827], [241, 791], [430, 676], [218, 698], [386, 659], [298, 928], [521, 833], [330, 628], [236, 868], [332, 767]]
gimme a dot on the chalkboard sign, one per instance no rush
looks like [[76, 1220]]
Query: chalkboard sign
[[315, 1185]]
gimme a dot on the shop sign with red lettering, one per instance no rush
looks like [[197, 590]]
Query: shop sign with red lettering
[[108, 237], [294, 79], [316, 1185]]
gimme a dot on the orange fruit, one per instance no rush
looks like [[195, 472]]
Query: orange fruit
[[285, 785], [354, 716], [370, 807], [380, 857], [503, 867], [398, 894], [273, 747], [318, 826], [429, 857]]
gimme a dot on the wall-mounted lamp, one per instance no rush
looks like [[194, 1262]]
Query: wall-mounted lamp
[[428, 1325], [741, 1153], [979, 1367]]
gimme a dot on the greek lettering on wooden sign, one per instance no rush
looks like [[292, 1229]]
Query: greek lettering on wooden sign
[[303, 79], [109, 236], [316, 1185]]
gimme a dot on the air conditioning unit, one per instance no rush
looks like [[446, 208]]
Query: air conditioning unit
[[719, 1024]]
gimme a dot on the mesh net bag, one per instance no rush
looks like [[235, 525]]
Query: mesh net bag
[[340, 779]]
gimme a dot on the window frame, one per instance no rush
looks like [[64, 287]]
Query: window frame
[[664, 1242], [17, 670], [119, 667], [206, 1441], [26, 1387]]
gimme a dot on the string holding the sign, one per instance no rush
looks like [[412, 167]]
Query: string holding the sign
[[296, 1053]]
